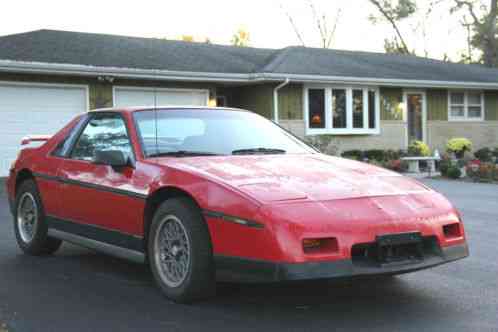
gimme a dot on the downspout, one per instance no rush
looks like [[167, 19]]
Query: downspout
[[275, 99]]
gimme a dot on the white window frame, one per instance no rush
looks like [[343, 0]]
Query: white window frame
[[349, 130], [465, 105]]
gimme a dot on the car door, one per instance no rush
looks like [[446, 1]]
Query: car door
[[100, 195]]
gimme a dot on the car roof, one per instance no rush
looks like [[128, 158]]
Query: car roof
[[131, 109]]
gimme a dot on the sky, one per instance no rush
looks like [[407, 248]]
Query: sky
[[218, 20]]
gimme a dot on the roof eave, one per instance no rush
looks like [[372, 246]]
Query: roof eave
[[85, 70], [389, 82], [153, 74]]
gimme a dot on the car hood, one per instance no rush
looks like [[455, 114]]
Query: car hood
[[273, 178]]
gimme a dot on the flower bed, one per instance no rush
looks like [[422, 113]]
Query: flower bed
[[481, 166]]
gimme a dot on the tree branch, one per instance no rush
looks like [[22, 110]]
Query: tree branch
[[391, 20], [294, 26], [470, 7]]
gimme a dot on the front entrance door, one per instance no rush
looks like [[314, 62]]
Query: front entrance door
[[415, 116]]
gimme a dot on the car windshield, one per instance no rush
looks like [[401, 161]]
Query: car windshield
[[191, 132]]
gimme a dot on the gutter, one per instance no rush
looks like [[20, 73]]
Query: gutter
[[11, 66], [275, 98], [394, 82], [93, 71]]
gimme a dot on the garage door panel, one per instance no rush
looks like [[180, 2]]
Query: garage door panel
[[124, 97], [34, 109]]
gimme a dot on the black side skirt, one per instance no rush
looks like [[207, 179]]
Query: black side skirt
[[111, 242]]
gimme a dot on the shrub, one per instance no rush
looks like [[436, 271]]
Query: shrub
[[495, 153], [486, 172], [454, 172], [419, 148], [484, 154], [392, 154], [353, 154], [459, 146], [444, 165], [376, 154], [396, 165], [472, 169]]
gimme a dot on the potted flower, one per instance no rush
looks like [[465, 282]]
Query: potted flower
[[418, 149], [459, 146]]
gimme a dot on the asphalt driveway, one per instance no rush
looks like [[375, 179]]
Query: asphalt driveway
[[78, 290]]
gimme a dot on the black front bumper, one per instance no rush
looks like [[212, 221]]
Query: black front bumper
[[244, 270]]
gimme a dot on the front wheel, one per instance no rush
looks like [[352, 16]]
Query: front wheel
[[180, 251], [29, 222]]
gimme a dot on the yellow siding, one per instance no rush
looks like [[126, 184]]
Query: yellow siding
[[437, 104]]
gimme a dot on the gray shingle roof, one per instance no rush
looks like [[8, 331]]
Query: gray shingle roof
[[100, 50], [314, 61]]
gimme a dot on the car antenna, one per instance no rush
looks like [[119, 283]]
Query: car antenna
[[155, 119]]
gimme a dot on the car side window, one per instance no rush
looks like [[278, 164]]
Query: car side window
[[102, 132]]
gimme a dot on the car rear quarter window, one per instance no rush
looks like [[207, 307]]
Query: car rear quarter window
[[62, 149]]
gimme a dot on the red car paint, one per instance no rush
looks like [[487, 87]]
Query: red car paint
[[295, 197]]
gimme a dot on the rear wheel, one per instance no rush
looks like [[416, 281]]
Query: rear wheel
[[180, 251], [29, 222]]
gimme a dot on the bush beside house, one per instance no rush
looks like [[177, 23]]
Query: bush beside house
[[458, 161]]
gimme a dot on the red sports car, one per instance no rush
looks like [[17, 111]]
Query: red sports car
[[222, 194]]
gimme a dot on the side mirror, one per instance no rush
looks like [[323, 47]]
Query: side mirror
[[113, 158]]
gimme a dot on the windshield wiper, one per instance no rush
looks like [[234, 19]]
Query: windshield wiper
[[259, 151], [182, 153]]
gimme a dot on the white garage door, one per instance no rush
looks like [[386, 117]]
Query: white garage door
[[127, 96], [34, 109]]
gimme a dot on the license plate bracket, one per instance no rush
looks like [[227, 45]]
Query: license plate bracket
[[399, 248]]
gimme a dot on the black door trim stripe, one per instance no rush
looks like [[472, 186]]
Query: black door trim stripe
[[207, 213], [97, 233], [90, 185]]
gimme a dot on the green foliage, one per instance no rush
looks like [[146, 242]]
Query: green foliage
[[375, 154], [454, 172], [389, 159], [484, 154], [394, 12], [394, 154], [241, 38], [482, 27], [495, 153], [444, 166], [353, 154], [459, 145], [419, 149]]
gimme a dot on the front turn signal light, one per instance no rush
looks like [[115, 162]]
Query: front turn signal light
[[324, 245], [452, 231]]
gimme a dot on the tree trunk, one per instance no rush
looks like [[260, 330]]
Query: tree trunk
[[490, 56]]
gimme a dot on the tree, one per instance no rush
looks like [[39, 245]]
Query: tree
[[241, 38], [482, 29], [188, 38], [394, 12], [325, 26]]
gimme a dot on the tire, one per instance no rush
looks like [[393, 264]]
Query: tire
[[180, 252], [36, 242]]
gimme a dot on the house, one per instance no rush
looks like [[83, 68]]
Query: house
[[361, 100]]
